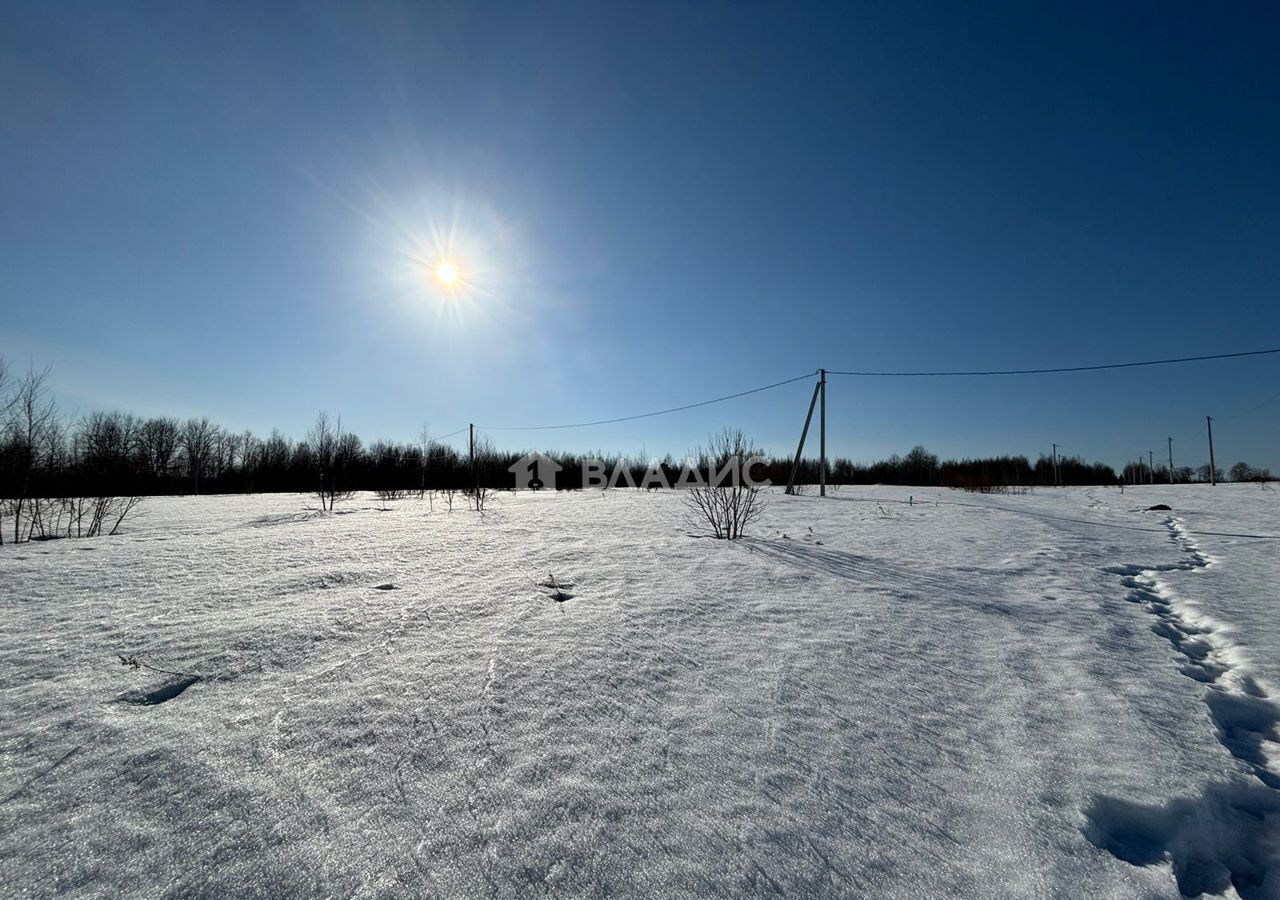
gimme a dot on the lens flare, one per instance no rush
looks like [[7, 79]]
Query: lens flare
[[446, 273]]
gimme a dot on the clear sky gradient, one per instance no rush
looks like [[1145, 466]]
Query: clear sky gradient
[[229, 209]]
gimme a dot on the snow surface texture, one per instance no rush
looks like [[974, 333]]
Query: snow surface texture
[[1052, 695]]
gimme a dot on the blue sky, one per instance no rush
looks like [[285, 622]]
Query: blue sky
[[228, 209]]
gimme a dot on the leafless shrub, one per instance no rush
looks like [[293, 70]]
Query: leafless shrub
[[478, 497], [478, 492], [1013, 489], [132, 662], [49, 518], [726, 502], [113, 510], [390, 495]]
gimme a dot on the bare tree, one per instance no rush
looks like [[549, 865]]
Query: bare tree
[[727, 502], [334, 454], [477, 492], [323, 442], [196, 441], [426, 455], [106, 441], [7, 400], [250, 447], [478, 497], [1242, 471], [349, 452], [921, 466], [32, 424], [7, 397], [157, 441], [1204, 475]]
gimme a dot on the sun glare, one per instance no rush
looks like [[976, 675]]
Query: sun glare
[[446, 273]]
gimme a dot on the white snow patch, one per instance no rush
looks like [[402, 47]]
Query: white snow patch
[[1058, 694]]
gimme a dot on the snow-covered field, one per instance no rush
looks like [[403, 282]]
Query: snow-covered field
[[1053, 695]]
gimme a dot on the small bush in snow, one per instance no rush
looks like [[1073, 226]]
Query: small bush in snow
[[726, 501], [478, 497]]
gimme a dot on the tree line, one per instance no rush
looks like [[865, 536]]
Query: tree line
[[86, 462]]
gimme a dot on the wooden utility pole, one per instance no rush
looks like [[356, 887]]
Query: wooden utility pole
[[1057, 479], [795, 466], [475, 478], [822, 435], [1151, 468], [1171, 460], [1213, 469]]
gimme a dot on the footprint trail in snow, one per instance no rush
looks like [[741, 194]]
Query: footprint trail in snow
[[1228, 838]]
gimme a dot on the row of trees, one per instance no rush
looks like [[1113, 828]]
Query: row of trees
[[920, 467], [45, 456], [1141, 473]]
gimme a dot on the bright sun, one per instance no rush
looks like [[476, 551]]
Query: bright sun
[[446, 273]]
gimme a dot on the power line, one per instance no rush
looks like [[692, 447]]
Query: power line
[[767, 387], [1251, 409], [1129, 447], [1124, 365], [441, 437], [1115, 448], [1103, 449], [660, 412]]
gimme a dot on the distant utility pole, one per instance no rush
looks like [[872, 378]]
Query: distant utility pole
[[1213, 471], [795, 466], [1055, 465], [475, 480], [1171, 460], [822, 435], [1151, 468]]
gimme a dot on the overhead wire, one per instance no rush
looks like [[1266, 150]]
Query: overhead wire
[[648, 415], [886, 374], [1093, 368]]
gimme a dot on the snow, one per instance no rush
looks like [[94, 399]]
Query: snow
[[1053, 694]]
